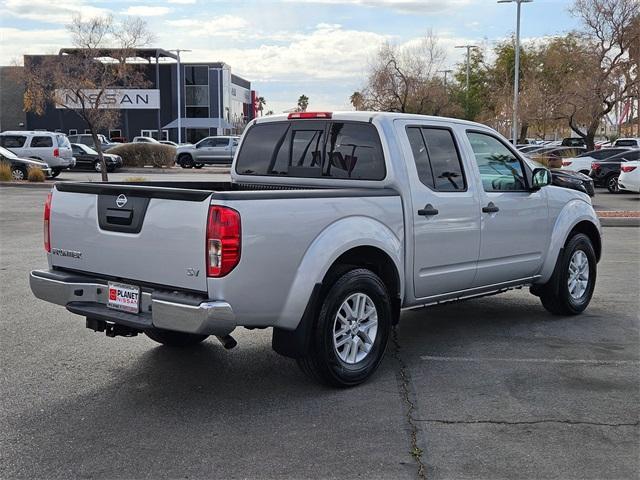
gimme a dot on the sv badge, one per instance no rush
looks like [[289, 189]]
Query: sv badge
[[192, 272]]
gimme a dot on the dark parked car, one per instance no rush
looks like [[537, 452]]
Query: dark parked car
[[573, 180], [568, 179], [87, 158], [573, 142], [20, 166], [606, 173]]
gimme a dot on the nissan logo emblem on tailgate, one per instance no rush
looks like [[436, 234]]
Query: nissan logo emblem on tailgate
[[121, 201]]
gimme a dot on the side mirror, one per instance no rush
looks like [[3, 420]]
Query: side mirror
[[541, 178]]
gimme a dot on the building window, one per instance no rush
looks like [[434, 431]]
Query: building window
[[154, 134], [196, 91], [194, 135], [73, 131]]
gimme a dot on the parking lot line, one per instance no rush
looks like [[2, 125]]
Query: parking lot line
[[530, 360]]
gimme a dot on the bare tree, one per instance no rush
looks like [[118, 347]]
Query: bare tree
[[603, 74], [85, 79], [403, 79]]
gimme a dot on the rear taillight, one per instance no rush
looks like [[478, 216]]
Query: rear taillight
[[302, 115], [595, 166], [47, 223], [223, 241], [628, 168], [566, 163], [56, 152]]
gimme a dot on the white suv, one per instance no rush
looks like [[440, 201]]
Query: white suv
[[627, 142], [52, 148]]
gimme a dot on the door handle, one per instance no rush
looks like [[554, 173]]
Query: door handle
[[428, 210], [491, 208]]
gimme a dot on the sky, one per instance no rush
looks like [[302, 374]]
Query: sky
[[320, 48]]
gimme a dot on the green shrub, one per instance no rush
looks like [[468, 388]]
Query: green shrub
[[35, 174], [145, 154], [5, 172]]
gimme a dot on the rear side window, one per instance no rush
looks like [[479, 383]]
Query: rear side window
[[41, 142], [626, 143], [13, 141], [437, 160], [63, 141], [313, 149]]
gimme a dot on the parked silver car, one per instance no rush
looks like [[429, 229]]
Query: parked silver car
[[209, 150], [53, 148]]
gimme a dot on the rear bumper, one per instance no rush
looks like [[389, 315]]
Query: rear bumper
[[87, 296]]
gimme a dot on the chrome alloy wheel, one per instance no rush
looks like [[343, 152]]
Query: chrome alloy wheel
[[355, 328], [578, 279], [17, 174]]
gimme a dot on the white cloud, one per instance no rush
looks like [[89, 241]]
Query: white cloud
[[146, 11], [182, 2], [16, 43], [46, 11], [403, 6], [224, 25], [327, 53]]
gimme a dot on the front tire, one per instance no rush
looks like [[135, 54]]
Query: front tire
[[351, 330], [185, 161], [172, 338], [55, 172], [571, 286], [19, 173]]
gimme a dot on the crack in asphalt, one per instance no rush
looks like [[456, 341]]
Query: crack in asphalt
[[526, 422], [405, 391]]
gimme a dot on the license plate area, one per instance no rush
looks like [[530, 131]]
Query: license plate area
[[124, 297]]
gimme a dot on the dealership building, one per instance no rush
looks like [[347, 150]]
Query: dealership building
[[213, 101]]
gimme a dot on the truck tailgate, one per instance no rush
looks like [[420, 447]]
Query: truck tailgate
[[146, 234]]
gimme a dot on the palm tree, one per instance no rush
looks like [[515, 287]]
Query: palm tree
[[261, 103], [357, 100], [303, 103]]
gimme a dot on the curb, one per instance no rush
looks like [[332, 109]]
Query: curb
[[620, 221], [27, 184]]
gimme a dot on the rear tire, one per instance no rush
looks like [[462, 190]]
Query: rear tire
[[350, 331], [55, 172], [570, 288], [612, 184], [171, 338]]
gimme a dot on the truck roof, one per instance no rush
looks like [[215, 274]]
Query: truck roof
[[365, 116]]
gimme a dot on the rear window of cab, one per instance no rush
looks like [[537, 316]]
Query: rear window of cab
[[312, 149]]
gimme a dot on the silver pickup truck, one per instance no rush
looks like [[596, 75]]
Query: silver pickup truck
[[331, 225]]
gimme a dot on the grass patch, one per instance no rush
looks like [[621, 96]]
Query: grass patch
[[135, 179], [35, 174], [5, 172]]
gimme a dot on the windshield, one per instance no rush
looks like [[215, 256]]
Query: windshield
[[7, 153], [87, 149]]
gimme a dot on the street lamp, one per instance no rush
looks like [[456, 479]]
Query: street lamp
[[468, 47], [179, 91], [446, 72], [516, 79]]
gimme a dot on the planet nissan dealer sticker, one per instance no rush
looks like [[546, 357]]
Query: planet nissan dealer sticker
[[124, 297]]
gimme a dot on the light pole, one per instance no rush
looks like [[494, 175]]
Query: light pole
[[446, 72], [468, 47], [178, 50], [516, 79]]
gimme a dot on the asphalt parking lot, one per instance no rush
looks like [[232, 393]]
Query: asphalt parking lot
[[493, 388]]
